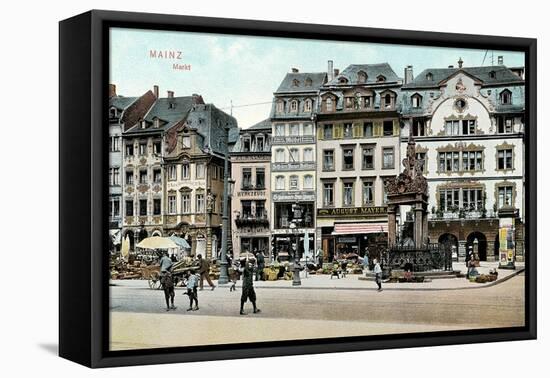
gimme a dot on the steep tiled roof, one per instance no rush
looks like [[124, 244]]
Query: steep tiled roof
[[210, 123], [169, 110], [137, 110], [373, 71], [302, 82], [262, 125], [489, 75], [121, 102]]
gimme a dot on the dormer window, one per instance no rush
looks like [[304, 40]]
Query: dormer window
[[329, 104], [361, 77], [343, 80], [295, 83], [492, 74], [309, 82], [380, 79], [246, 144], [294, 106], [280, 106], [416, 100], [113, 112], [506, 97], [388, 100], [156, 123], [259, 143], [429, 76], [171, 105], [308, 105], [143, 124]]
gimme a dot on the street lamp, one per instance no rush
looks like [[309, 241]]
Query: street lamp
[[224, 276]]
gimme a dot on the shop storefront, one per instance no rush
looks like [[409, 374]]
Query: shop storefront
[[353, 230]]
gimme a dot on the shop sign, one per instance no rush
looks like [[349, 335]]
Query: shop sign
[[345, 212], [293, 196], [347, 239]]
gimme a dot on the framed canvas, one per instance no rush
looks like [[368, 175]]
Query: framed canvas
[[235, 188]]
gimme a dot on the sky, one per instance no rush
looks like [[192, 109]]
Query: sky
[[246, 70]]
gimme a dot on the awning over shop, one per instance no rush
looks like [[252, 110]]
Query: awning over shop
[[359, 228]]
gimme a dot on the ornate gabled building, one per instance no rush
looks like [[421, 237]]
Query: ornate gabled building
[[468, 125], [143, 174], [122, 112], [193, 176], [358, 151], [293, 163], [251, 172]]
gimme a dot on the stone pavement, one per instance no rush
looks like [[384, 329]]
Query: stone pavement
[[352, 282]]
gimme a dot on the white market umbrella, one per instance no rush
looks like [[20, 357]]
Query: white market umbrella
[[157, 242]]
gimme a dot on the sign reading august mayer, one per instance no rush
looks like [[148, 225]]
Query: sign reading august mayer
[[352, 211]]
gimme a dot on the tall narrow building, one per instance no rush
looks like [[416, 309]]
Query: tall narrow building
[[293, 164], [251, 202], [357, 151]]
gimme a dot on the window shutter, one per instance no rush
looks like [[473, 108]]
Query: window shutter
[[396, 127], [338, 131], [378, 129], [320, 135], [357, 130]]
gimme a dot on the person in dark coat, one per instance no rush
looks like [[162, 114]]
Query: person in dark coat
[[168, 287], [248, 287], [204, 271], [261, 265]]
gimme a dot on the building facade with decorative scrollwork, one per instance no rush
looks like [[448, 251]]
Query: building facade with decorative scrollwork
[[468, 124]]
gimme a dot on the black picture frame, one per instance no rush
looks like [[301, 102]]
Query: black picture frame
[[83, 273]]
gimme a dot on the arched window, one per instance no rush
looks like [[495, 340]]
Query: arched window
[[416, 100], [380, 78], [506, 97], [492, 74], [308, 105], [342, 80], [295, 83], [361, 77], [329, 104], [388, 101], [308, 182], [309, 82], [429, 76], [294, 106]]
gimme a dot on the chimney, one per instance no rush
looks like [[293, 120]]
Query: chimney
[[336, 72], [156, 91], [409, 74], [112, 90], [330, 70], [170, 94], [295, 70], [451, 66], [500, 60]]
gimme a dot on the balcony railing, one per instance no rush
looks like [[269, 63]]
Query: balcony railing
[[293, 166], [252, 221], [462, 214]]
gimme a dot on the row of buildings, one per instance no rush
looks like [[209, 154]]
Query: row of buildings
[[312, 175]]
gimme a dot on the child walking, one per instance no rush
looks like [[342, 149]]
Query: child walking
[[192, 283]]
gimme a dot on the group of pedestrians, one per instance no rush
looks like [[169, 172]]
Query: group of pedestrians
[[194, 281]]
